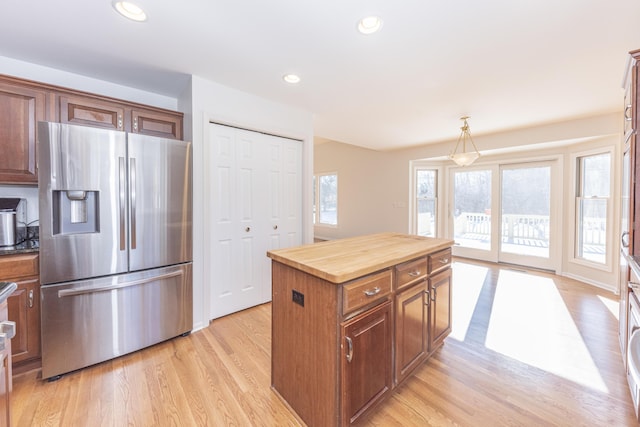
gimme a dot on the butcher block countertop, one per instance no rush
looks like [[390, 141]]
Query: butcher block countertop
[[339, 261]]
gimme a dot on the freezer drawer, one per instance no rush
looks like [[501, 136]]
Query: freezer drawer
[[90, 321]]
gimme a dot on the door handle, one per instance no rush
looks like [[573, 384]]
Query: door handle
[[122, 196], [132, 191], [349, 349], [110, 287]]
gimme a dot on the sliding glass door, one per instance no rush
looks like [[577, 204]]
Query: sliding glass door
[[503, 213], [525, 215]]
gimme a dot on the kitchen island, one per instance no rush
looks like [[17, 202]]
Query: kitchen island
[[353, 318]]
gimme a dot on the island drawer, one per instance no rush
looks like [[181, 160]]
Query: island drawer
[[364, 291], [410, 271], [439, 260]]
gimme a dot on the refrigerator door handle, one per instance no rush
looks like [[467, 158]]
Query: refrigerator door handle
[[89, 290], [132, 191], [123, 197]]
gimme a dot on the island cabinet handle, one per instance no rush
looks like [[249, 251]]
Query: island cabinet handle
[[414, 273], [349, 349], [434, 295], [372, 292], [426, 301]]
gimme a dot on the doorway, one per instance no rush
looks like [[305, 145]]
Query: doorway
[[505, 213]]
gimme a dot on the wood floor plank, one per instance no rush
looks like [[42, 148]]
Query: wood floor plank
[[527, 349]]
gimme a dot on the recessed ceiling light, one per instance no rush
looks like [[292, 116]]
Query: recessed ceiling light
[[369, 25], [291, 78], [130, 10]]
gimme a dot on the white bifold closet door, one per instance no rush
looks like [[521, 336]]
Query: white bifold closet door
[[254, 204]]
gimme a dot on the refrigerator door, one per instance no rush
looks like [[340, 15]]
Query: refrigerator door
[[82, 202], [160, 202], [90, 321]]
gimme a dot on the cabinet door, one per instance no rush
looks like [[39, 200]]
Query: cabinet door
[[24, 309], [20, 110], [90, 112], [440, 310], [156, 124], [366, 361], [411, 329]]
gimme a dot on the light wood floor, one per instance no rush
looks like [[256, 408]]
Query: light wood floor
[[527, 349]]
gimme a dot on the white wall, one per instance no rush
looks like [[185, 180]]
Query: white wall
[[213, 102], [374, 187]]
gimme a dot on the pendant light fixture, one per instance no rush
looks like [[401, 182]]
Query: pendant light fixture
[[464, 157]]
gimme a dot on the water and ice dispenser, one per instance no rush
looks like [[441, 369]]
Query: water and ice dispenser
[[75, 211]]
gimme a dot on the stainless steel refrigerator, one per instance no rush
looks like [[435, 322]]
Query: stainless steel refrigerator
[[115, 243]]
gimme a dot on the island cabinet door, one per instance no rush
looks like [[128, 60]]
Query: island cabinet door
[[366, 361], [411, 325], [440, 311]]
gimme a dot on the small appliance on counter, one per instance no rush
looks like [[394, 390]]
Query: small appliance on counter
[[12, 218]]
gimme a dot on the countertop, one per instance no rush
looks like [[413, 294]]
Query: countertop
[[339, 261], [29, 246]]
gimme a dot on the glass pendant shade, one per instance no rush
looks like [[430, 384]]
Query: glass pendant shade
[[466, 156]]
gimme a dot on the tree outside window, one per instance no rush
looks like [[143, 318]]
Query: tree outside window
[[325, 196]]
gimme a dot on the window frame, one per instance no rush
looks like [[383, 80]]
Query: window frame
[[316, 199], [576, 175], [415, 166]]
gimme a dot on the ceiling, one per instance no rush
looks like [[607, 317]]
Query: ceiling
[[508, 64]]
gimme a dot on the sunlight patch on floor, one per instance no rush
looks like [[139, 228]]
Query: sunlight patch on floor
[[469, 279], [539, 330], [612, 305]]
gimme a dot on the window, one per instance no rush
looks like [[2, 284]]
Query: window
[[592, 206], [325, 199], [426, 202]]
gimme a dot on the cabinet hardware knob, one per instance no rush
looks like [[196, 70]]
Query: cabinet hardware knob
[[31, 298], [248, 229], [275, 227], [349, 349], [414, 273], [372, 292]]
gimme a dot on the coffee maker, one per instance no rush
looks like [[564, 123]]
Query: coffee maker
[[12, 220]]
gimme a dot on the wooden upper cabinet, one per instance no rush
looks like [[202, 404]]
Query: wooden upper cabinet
[[108, 114], [21, 107], [152, 123], [90, 112]]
